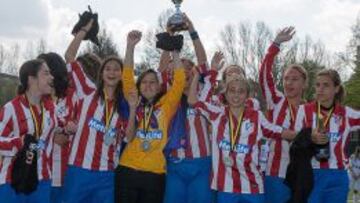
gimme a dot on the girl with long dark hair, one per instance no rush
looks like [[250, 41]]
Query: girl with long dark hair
[[27, 125]]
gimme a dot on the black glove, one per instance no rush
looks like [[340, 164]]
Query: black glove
[[169, 43], [24, 177], [84, 19]]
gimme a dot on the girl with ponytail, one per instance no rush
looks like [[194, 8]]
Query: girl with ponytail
[[27, 124], [331, 124]]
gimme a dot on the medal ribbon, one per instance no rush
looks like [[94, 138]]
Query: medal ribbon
[[146, 119], [234, 137], [320, 117], [37, 125], [109, 112]]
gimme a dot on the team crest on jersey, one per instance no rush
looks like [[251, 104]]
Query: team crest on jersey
[[337, 119], [249, 126], [150, 135], [334, 136]]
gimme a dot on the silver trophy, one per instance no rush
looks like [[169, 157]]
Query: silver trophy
[[322, 152], [176, 22]]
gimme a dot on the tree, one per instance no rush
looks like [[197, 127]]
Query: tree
[[246, 45], [12, 62], [107, 46], [352, 86], [352, 58], [8, 84], [346, 60], [32, 51], [312, 56], [2, 57]]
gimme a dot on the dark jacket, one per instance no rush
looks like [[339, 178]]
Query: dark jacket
[[299, 175]]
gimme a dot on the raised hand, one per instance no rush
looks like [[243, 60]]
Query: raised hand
[[217, 62], [195, 72], [285, 35], [188, 22], [134, 37], [165, 60], [87, 27]]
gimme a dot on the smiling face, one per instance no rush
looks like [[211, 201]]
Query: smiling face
[[236, 93], [149, 86], [43, 81], [294, 83], [111, 74]]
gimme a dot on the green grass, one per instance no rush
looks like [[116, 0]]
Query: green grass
[[350, 195]]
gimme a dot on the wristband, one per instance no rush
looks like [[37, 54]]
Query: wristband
[[277, 44], [194, 35]]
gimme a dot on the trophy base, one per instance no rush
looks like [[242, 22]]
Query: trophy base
[[178, 27], [176, 23], [322, 152]]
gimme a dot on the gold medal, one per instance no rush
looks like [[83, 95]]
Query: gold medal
[[321, 124], [145, 145]]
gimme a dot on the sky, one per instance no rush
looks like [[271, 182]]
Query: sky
[[25, 21]]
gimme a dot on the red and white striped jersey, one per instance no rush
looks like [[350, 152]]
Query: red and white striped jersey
[[82, 84], [198, 126], [343, 121], [243, 175], [15, 122], [65, 110], [198, 143], [88, 148], [278, 113]]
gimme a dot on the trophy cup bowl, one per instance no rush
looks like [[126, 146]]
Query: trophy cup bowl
[[176, 21]]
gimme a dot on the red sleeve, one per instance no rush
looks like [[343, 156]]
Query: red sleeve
[[209, 111], [266, 78], [82, 84], [7, 138]]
